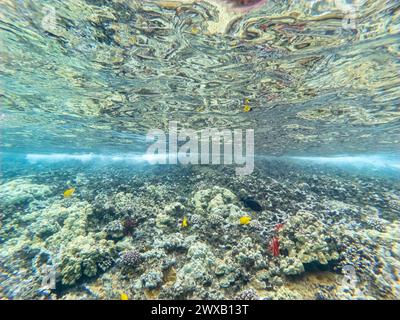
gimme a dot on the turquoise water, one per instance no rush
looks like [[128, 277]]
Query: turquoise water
[[84, 82]]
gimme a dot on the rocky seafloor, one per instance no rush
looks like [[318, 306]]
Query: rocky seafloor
[[121, 232]]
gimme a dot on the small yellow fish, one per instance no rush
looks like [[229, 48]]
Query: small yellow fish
[[184, 222], [246, 108], [69, 192], [245, 220], [124, 296], [195, 30]]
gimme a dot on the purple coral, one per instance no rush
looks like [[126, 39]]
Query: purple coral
[[249, 294], [244, 2], [131, 259], [128, 225], [245, 5]]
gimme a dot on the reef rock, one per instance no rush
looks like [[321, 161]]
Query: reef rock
[[208, 200], [175, 209], [20, 191], [307, 240], [197, 272], [83, 256]]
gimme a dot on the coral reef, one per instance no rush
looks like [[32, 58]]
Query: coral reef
[[249, 294], [131, 259], [107, 242], [307, 240], [21, 191], [84, 256]]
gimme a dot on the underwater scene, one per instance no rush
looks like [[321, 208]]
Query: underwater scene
[[200, 150]]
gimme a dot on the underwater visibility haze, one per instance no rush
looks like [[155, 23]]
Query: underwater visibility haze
[[304, 203]]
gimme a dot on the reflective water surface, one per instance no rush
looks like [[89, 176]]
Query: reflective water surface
[[99, 74]]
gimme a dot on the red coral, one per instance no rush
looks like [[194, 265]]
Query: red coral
[[279, 226], [274, 246]]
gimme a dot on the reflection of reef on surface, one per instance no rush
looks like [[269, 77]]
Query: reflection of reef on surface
[[140, 64], [322, 223]]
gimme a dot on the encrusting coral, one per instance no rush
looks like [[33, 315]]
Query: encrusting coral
[[136, 242]]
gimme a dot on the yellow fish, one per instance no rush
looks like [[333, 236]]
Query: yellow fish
[[124, 296], [246, 108], [245, 220], [184, 222], [68, 193]]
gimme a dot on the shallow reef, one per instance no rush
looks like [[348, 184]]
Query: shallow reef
[[123, 232]]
